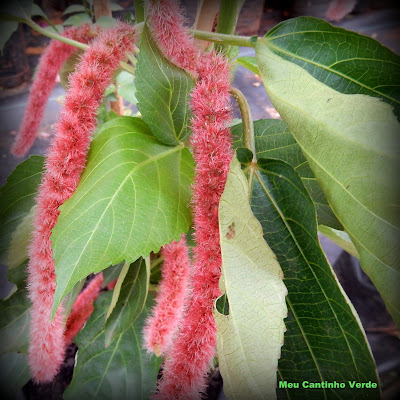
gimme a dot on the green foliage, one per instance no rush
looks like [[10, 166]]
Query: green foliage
[[14, 374], [274, 140], [126, 86], [17, 197], [341, 238], [250, 63], [73, 8], [122, 371], [130, 301], [250, 337], [324, 340], [14, 323], [343, 60], [162, 92], [16, 10], [357, 170], [133, 198], [78, 19]]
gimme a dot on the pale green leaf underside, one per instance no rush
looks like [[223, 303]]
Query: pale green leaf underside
[[249, 339], [274, 140], [162, 92], [133, 198], [341, 238], [324, 339], [346, 61], [130, 301], [351, 144], [122, 371]]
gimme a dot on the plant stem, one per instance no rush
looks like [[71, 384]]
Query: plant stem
[[54, 35], [139, 10], [247, 121], [223, 38]]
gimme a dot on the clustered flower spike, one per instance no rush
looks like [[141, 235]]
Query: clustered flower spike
[[65, 162], [82, 308], [49, 66], [170, 301], [191, 353]]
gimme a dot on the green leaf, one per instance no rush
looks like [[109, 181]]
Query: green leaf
[[122, 371], [162, 92], [115, 7], [351, 144], [106, 21], [7, 28], [78, 19], [324, 340], [69, 67], [126, 86], [14, 323], [346, 61], [18, 275], [16, 10], [133, 198], [341, 238], [14, 374], [130, 300], [249, 339], [17, 197], [111, 273], [20, 239], [250, 63], [74, 8], [273, 139], [38, 12]]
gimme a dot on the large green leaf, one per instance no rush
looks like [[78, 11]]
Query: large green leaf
[[274, 140], [341, 238], [351, 144], [250, 337], [121, 371], [346, 61], [16, 10], [14, 323], [133, 198], [324, 339], [131, 300], [14, 374], [162, 92], [17, 197]]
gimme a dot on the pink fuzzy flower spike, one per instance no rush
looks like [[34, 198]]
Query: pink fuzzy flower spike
[[166, 23], [49, 66], [170, 301], [191, 353], [82, 308], [65, 162]]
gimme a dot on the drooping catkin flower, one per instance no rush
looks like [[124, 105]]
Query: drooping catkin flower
[[166, 24], [65, 162], [82, 308], [192, 351], [49, 66], [170, 301]]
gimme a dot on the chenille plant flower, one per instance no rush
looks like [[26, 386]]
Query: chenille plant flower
[[198, 231]]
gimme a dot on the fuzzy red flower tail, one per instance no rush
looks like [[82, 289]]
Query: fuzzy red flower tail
[[49, 66], [64, 164], [191, 353], [170, 302], [82, 308]]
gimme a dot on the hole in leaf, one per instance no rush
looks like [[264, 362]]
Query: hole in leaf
[[222, 305]]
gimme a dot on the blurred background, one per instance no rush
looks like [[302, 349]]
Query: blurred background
[[375, 18]]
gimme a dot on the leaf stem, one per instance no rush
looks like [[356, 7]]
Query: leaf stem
[[223, 38], [54, 35], [247, 120]]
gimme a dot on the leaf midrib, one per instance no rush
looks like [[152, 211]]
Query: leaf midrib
[[311, 269], [332, 71]]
